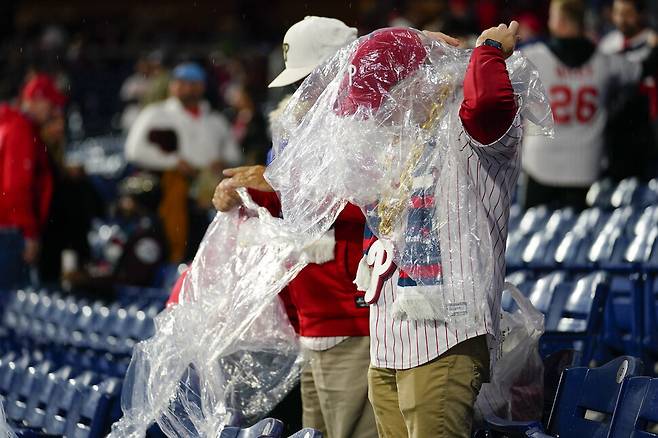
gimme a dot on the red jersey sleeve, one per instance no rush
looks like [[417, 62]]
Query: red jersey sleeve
[[18, 179], [489, 106], [269, 200]]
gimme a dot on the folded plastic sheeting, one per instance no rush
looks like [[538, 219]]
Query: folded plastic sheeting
[[378, 126], [228, 345]]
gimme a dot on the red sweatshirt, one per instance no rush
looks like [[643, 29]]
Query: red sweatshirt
[[324, 298], [26, 184]]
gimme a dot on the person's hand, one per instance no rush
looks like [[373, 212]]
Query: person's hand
[[506, 36], [440, 36], [226, 198], [185, 168], [652, 39], [31, 251], [250, 177]]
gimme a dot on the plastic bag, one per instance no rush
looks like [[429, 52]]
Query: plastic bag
[[228, 346], [378, 126], [516, 391]]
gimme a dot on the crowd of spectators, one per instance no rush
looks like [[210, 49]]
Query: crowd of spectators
[[211, 85]]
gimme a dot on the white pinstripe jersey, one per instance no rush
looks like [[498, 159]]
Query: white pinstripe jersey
[[493, 170]]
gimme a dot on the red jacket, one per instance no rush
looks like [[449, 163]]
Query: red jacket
[[26, 184], [326, 301]]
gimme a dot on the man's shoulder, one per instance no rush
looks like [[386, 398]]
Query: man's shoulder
[[537, 48], [612, 42], [12, 120]]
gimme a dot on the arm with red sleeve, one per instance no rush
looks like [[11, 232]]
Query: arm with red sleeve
[[489, 106], [18, 179]]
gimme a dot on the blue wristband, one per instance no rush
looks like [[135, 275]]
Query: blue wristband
[[493, 43]]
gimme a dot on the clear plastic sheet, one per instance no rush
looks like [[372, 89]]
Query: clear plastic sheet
[[382, 134], [373, 134], [228, 346]]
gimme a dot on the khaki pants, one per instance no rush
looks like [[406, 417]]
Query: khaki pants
[[433, 400], [335, 391]]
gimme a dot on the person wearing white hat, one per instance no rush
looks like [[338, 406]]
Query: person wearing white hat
[[333, 317], [308, 43]]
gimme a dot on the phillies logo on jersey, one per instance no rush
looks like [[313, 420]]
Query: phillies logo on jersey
[[380, 259]]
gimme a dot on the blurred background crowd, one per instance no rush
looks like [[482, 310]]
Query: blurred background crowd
[[204, 65]]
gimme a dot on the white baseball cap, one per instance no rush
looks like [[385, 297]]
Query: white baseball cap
[[310, 42]]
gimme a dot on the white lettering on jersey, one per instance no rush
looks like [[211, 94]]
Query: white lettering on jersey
[[380, 258]]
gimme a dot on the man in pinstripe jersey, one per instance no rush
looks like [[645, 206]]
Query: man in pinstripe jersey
[[425, 375]]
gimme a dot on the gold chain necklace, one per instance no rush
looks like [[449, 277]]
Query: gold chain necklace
[[393, 204]]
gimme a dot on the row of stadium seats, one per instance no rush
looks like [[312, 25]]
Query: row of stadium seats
[[622, 239], [600, 314], [613, 401], [66, 320], [42, 399]]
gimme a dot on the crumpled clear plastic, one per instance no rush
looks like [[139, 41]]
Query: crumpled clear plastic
[[227, 346], [377, 126]]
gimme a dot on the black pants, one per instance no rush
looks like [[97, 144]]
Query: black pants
[[537, 193]]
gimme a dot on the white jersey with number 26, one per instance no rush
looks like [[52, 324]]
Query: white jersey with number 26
[[577, 97]]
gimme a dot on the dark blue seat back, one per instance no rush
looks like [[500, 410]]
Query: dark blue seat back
[[638, 404], [586, 398]]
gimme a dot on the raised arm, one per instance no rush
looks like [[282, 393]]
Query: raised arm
[[489, 106]]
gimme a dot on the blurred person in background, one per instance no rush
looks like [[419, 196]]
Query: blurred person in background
[[189, 144], [159, 78], [133, 90], [75, 203], [247, 123], [26, 183], [332, 315], [579, 81], [634, 109], [136, 248], [530, 29]]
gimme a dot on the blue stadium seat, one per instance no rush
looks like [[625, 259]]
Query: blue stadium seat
[[623, 321], [594, 391], [627, 193], [599, 194], [11, 374], [533, 220], [584, 404], [610, 246], [38, 403], [267, 428], [539, 252], [64, 406], [542, 292], [650, 314], [636, 409], [573, 250], [307, 433], [24, 388], [93, 415], [575, 319]]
